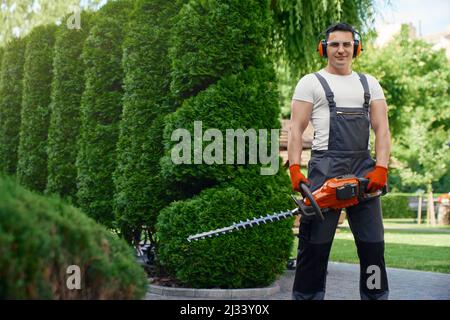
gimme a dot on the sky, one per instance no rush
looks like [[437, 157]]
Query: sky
[[434, 15]]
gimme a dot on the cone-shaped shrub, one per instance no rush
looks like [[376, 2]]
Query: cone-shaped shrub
[[222, 77], [101, 108], [11, 77], [140, 191], [246, 100], [218, 59], [67, 88], [35, 113], [41, 237]]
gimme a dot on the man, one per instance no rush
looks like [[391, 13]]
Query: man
[[342, 106]]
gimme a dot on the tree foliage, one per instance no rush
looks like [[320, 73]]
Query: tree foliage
[[35, 112], [415, 80], [67, 88], [101, 109], [19, 17], [140, 191], [11, 85]]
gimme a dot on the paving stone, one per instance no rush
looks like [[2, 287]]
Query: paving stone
[[343, 284]]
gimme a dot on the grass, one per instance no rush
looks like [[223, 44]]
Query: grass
[[417, 249]]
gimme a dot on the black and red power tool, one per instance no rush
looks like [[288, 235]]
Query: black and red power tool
[[336, 193]]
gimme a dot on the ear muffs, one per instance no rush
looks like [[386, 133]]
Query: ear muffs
[[357, 47], [322, 48]]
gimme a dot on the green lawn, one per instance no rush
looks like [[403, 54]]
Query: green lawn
[[427, 249]]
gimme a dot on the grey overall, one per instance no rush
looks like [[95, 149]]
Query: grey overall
[[347, 154]]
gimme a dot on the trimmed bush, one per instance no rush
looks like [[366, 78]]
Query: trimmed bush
[[101, 109], [249, 258], [140, 191], [35, 113], [244, 101], [214, 39], [396, 205], [41, 237], [218, 61], [67, 88], [10, 104], [222, 77]]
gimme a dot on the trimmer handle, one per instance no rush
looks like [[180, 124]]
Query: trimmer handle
[[365, 182], [306, 192]]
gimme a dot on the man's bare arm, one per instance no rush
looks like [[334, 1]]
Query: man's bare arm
[[380, 124], [300, 115]]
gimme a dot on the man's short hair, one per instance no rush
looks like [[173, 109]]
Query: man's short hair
[[340, 26]]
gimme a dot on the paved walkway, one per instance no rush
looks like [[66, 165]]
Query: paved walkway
[[343, 284]]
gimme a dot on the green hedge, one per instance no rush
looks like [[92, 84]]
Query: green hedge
[[67, 88], [101, 109], [221, 76], [395, 205], [11, 84], [249, 258], [41, 236], [242, 101], [140, 191], [213, 39], [35, 113]]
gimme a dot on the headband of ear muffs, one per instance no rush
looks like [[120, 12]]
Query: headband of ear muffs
[[357, 46]]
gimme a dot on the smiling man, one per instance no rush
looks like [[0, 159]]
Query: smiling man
[[343, 106]]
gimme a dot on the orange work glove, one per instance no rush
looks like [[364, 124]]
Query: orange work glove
[[377, 178], [297, 177]]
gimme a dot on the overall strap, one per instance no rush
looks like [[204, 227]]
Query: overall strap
[[365, 84], [332, 133], [328, 93]]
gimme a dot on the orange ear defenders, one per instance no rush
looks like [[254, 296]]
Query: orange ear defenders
[[357, 45]]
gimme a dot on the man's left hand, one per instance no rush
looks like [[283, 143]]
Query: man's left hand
[[377, 178]]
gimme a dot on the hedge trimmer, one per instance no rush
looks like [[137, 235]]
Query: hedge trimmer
[[336, 193]]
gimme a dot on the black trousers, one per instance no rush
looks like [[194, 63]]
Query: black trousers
[[316, 237]]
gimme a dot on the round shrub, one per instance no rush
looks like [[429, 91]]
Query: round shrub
[[35, 112], [67, 88], [248, 258], [11, 77], [40, 237]]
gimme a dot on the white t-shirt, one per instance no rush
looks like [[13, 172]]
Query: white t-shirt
[[348, 92]]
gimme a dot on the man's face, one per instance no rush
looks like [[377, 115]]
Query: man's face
[[340, 49]]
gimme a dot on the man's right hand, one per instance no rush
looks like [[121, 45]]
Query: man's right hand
[[297, 177]]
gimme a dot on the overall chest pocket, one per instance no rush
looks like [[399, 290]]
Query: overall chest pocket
[[353, 128]]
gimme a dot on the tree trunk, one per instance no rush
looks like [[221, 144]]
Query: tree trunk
[[444, 214], [419, 210], [430, 208]]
